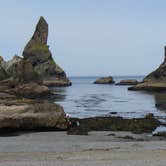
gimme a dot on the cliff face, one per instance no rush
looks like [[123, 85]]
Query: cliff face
[[37, 52]]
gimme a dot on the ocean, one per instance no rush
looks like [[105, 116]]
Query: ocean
[[85, 99]]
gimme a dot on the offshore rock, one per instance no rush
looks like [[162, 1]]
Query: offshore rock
[[104, 80], [127, 82], [38, 54]]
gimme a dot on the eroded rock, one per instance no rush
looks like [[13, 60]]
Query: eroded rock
[[37, 52]]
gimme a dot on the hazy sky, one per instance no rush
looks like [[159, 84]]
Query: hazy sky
[[90, 37]]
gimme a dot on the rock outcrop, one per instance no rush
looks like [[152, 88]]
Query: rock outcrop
[[37, 64], [38, 54], [104, 80], [127, 82], [155, 81], [136, 125], [23, 93], [8, 65], [24, 114]]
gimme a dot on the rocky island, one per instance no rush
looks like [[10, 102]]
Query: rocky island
[[155, 81]]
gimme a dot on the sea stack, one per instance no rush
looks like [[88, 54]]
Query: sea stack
[[155, 81], [37, 52]]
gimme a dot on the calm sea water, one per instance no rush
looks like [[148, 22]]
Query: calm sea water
[[85, 99]]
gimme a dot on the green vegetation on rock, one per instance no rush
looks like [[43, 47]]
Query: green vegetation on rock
[[53, 62], [41, 47]]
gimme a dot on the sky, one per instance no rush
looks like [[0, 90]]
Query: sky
[[90, 37]]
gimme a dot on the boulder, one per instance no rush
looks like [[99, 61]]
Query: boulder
[[127, 82], [23, 114], [104, 80], [155, 81], [38, 54]]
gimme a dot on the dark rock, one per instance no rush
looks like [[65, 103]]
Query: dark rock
[[113, 113], [136, 125], [127, 82], [160, 134], [38, 54], [150, 115], [105, 80]]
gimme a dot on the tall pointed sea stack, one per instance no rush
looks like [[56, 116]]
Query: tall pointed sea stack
[[38, 54], [155, 81]]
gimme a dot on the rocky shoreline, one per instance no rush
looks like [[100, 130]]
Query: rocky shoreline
[[25, 94], [135, 125]]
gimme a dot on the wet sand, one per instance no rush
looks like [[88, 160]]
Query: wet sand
[[98, 148]]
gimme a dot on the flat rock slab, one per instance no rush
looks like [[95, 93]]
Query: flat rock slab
[[150, 86], [24, 114], [127, 82]]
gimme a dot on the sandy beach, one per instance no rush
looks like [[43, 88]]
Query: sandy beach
[[98, 148]]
